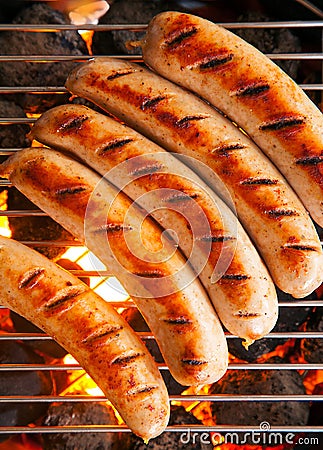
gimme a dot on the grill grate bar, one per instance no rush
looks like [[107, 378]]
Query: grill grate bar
[[161, 366], [173, 429], [178, 398], [148, 335]]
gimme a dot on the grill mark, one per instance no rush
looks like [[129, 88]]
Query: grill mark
[[70, 190], [194, 362], [150, 273], [246, 314], [74, 122], [141, 390], [121, 73], [31, 278], [102, 333], [225, 150], [122, 360], [301, 247], [113, 228], [309, 160], [179, 321], [151, 102], [235, 277], [215, 61], [187, 119], [181, 197], [282, 122], [252, 89], [180, 36], [213, 238], [117, 143], [148, 170], [259, 181], [63, 296], [275, 213]]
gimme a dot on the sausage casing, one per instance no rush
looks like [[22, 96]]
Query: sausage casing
[[132, 246], [268, 208], [91, 330], [247, 86]]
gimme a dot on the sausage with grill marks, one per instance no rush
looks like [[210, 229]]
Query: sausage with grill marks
[[248, 87], [91, 330], [172, 300], [268, 208], [244, 298]]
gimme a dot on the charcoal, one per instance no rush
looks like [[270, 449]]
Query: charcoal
[[35, 228], [290, 319], [33, 73], [271, 40], [312, 349], [13, 135], [258, 382], [174, 440], [25, 383], [80, 413], [123, 11], [137, 322]]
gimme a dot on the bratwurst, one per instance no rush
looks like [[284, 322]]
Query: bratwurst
[[268, 208]]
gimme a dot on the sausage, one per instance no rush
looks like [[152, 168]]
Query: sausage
[[244, 297], [248, 87], [91, 330], [267, 207], [133, 247]]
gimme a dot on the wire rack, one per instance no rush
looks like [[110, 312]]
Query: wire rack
[[25, 337]]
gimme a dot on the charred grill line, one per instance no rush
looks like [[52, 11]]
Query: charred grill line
[[281, 213], [252, 89], [70, 190], [259, 181], [282, 122], [151, 102], [101, 333], [235, 277], [215, 61], [150, 274], [179, 321], [246, 314], [181, 197], [63, 297], [121, 360], [117, 143], [185, 120], [75, 122], [141, 390], [121, 73], [305, 248], [216, 238], [193, 362], [148, 170], [309, 160], [31, 277], [225, 150], [181, 36], [113, 228]]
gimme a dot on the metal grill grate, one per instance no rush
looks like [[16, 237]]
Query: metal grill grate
[[318, 24]]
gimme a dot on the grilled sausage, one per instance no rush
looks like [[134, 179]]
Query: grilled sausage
[[133, 247], [268, 208], [244, 297], [91, 330], [248, 87]]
